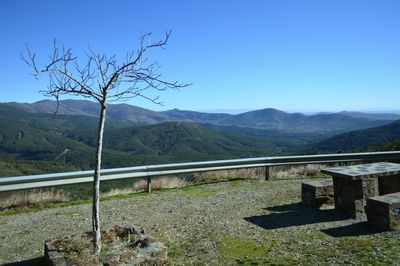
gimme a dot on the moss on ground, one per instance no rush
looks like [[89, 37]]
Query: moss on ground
[[199, 191], [234, 250]]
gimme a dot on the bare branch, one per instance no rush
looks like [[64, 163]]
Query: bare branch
[[102, 76]]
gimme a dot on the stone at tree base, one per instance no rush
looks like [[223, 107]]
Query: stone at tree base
[[127, 256], [52, 254], [126, 246], [318, 193], [112, 263], [383, 212]]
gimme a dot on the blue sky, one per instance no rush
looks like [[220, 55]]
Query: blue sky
[[287, 54]]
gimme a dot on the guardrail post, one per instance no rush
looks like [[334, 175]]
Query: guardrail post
[[266, 173], [148, 184]]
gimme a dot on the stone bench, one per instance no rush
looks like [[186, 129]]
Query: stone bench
[[318, 193], [383, 212]]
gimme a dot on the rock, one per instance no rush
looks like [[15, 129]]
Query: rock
[[144, 243], [127, 256], [112, 263], [52, 253]]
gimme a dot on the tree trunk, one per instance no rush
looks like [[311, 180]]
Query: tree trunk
[[96, 183]]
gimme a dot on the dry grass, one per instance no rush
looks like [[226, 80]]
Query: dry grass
[[223, 175], [184, 180], [28, 198], [162, 182], [156, 184], [301, 171], [117, 191]]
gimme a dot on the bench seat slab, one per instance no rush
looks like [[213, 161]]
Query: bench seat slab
[[318, 193]]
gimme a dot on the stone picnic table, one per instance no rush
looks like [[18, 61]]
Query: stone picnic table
[[352, 185]]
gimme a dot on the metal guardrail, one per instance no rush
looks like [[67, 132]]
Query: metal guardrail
[[148, 171]]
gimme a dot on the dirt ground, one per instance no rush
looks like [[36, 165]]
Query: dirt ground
[[240, 222]]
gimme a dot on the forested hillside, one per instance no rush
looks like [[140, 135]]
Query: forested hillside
[[378, 138]]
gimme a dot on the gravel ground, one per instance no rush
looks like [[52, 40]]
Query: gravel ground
[[240, 222]]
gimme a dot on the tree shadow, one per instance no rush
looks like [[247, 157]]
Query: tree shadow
[[356, 229], [39, 261], [295, 214]]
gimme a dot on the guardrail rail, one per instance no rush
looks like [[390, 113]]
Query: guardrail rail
[[149, 171]]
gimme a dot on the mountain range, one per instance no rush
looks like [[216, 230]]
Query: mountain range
[[269, 118], [135, 136]]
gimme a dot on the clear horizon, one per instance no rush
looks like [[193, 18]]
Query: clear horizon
[[305, 57]]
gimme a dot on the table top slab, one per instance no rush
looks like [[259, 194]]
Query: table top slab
[[364, 170]]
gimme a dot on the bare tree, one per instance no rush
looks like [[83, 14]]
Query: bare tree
[[103, 79]]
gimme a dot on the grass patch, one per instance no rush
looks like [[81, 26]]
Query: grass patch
[[198, 191], [235, 183], [234, 250], [314, 248], [372, 251]]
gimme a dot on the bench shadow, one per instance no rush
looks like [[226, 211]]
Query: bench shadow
[[39, 261], [356, 229], [295, 214]]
